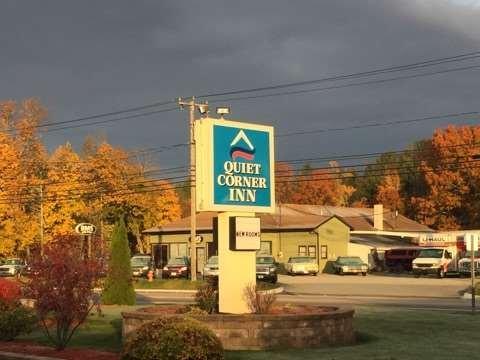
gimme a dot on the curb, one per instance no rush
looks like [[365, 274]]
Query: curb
[[371, 295], [468, 296], [14, 356], [166, 291]]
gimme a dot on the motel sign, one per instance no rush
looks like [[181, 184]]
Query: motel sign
[[235, 166]]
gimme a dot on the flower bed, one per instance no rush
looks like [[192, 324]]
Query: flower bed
[[285, 327]]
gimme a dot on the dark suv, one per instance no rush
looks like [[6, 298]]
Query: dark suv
[[266, 268]]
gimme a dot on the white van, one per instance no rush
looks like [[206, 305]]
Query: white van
[[438, 261]]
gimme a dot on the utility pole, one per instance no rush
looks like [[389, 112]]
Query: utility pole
[[41, 221], [203, 108], [472, 268]]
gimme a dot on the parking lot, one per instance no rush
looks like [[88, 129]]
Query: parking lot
[[376, 285]]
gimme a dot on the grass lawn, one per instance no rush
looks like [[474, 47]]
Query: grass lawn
[[102, 333], [384, 334], [168, 284], [184, 284]]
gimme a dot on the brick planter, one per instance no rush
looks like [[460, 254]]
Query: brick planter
[[258, 332]]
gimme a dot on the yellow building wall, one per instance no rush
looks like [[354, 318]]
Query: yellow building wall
[[335, 235]]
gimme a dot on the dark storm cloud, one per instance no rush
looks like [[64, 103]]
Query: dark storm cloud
[[86, 57]]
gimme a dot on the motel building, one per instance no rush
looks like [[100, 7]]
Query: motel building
[[323, 232]]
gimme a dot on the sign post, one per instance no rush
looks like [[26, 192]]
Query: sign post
[[235, 177], [471, 242], [87, 230]]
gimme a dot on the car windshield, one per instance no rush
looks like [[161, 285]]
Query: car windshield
[[350, 260], [13, 262], [430, 253], [265, 260], [301, 259], [469, 254], [177, 261], [140, 261], [213, 260]]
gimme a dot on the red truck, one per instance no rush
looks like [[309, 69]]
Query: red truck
[[400, 259]]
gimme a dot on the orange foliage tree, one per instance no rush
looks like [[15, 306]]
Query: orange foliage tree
[[388, 192], [452, 176], [98, 185], [322, 187]]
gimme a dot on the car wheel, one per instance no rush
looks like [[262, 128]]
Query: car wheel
[[416, 275], [340, 272], [274, 280], [364, 274]]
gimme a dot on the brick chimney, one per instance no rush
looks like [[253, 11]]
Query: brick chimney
[[378, 217]]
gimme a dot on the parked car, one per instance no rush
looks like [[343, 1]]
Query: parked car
[[350, 265], [13, 267], [400, 259], [465, 263], [211, 267], [141, 265], [177, 267], [301, 265], [266, 269], [432, 261]]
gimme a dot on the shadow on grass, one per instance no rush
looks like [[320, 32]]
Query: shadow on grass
[[364, 338], [117, 325]]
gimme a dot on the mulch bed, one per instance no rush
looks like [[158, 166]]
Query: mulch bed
[[276, 309], [30, 348]]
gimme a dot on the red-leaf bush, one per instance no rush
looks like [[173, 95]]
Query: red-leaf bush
[[14, 318], [10, 291], [62, 286]]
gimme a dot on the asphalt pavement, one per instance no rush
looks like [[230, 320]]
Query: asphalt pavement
[[390, 290]]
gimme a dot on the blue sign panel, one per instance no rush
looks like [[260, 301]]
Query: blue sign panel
[[241, 167]]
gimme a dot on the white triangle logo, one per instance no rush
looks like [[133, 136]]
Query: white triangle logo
[[241, 136]]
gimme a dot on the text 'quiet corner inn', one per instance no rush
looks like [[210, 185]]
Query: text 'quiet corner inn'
[[323, 232]]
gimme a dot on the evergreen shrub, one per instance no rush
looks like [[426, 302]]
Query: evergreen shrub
[[172, 338], [118, 287]]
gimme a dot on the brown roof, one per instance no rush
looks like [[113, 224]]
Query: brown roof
[[296, 217]]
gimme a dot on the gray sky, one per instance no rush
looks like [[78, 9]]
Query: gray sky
[[86, 57]]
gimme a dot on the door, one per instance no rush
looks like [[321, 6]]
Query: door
[[160, 255], [200, 259]]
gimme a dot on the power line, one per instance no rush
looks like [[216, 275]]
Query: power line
[[334, 87], [108, 121], [387, 123], [106, 114], [432, 62]]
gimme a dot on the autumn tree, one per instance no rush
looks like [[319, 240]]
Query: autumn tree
[[452, 177], [388, 192], [64, 204], [284, 183], [322, 187]]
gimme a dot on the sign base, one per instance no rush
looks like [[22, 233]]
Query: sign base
[[237, 269]]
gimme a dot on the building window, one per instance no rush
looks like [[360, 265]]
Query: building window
[[178, 249], [312, 251], [323, 252], [302, 250], [265, 248]]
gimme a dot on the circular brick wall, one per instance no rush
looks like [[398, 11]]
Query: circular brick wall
[[258, 331]]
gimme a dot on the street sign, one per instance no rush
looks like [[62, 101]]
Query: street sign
[[85, 229], [471, 239], [234, 167]]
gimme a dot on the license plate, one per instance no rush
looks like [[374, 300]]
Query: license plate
[[260, 276], [173, 273]]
